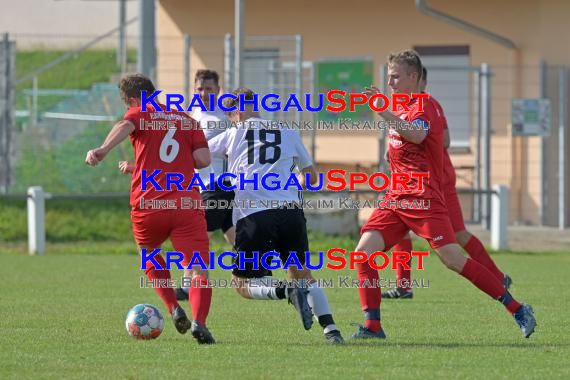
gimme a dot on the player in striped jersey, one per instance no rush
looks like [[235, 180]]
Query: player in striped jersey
[[253, 149]]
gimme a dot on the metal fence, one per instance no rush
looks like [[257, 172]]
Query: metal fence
[[65, 101], [555, 171], [66, 110], [478, 106], [7, 100]]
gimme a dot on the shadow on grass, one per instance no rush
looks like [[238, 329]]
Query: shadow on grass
[[532, 253], [451, 345]]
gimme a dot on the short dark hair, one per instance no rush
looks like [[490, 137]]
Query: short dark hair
[[131, 86], [424, 73], [410, 58], [206, 74], [247, 93]]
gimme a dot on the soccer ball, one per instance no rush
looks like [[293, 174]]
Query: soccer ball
[[144, 321]]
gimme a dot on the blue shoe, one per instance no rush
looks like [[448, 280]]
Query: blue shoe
[[364, 333], [507, 281], [524, 317]]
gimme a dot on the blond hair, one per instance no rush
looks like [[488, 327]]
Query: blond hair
[[408, 57]]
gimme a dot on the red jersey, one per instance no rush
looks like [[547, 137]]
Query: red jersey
[[168, 150], [407, 157], [448, 169]]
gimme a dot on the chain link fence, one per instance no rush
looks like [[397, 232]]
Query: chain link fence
[[66, 99], [555, 149], [66, 110]]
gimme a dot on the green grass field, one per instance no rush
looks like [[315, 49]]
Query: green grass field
[[62, 316]]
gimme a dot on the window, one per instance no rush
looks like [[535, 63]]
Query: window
[[450, 81]]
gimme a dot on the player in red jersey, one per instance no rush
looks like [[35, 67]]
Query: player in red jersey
[[174, 150], [470, 243], [419, 150]]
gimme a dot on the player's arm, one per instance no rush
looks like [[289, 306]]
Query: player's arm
[[120, 132], [405, 129], [202, 158], [303, 175], [305, 162], [219, 144], [126, 167], [446, 139], [200, 150]]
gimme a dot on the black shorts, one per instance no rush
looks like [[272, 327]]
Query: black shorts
[[280, 230], [219, 218]]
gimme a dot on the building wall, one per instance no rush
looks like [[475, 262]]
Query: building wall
[[62, 24], [375, 28]]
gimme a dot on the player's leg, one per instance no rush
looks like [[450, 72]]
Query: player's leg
[[257, 232], [216, 218], [252, 236], [293, 238], [483, 279], [382, 230], [183, 290], [434, 225], [212, 224], [476, 250], [255, 282], [470, 243], [165, 293], [189, 236], [150, 231], [258, 288], [227, 223], [265, 287], [370, 297], [319, 304], [403, 275], [230, 235]]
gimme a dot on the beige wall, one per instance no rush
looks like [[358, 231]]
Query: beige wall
[[374, 28], [63, 24]]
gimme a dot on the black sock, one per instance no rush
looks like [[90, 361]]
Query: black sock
[[280, 291], [325, 320]]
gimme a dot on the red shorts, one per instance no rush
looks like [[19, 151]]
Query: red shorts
[[431, 224], [186, 229], [454, 208]]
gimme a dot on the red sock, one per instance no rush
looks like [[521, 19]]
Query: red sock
[[404, 275], [200, 298], [485, 281], [511, 305], [477, 252], [370, 295], [166, 294], [373, 325]]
